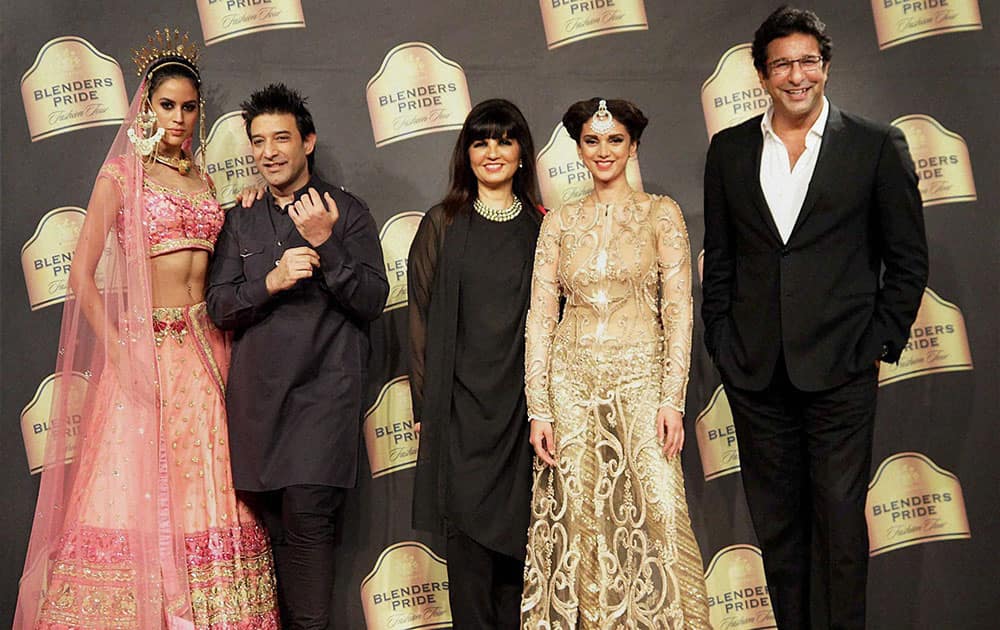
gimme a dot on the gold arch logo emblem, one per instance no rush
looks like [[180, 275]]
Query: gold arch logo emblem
[[72, 86]]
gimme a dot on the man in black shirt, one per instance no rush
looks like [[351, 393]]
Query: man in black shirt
[[297, 277]]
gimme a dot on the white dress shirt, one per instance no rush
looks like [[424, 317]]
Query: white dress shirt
[[785, 187]]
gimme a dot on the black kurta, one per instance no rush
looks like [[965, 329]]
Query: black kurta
[[300, 357], [470, 284]]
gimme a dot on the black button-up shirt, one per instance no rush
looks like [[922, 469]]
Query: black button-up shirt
[[300, 357]]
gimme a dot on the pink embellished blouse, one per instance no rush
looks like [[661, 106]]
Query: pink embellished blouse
[[175, 220], [179, 220]]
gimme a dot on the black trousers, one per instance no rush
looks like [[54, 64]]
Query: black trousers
[[300, 521], [484, 586], [806, 460]]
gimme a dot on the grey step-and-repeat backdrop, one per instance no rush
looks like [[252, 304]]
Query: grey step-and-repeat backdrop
[[389, 82]]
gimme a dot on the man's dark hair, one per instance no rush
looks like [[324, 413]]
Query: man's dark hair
[[278, 98], [787, 21]]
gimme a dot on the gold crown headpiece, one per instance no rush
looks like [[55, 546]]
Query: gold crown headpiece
[[169, 44]]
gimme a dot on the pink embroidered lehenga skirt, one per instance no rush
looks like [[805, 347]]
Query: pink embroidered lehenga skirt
[[227, 556]]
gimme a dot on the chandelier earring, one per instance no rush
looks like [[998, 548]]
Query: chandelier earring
[[144, 133]]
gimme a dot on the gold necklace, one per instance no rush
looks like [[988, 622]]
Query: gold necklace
[[497, 214], [181, 164]]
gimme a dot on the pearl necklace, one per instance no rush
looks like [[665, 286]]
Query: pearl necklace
[[498, 215]]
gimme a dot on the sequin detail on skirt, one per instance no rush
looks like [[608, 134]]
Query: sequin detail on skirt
[[230, 574]]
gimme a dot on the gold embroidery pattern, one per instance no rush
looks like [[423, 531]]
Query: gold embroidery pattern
[[169, 322], [199, 323], [113, 170], [230, 574], [177, 244], [610, 543], [231, 577], [92, 583], [193, 197]]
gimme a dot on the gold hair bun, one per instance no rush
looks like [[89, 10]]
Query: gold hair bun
[[166, 44]]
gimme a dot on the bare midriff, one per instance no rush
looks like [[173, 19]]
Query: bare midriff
[[178, 278]]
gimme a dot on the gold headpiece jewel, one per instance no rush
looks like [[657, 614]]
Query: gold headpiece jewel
[[602, 121], [168, 44]]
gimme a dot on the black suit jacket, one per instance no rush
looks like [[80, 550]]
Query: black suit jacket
[[300, 357], [823, 298]]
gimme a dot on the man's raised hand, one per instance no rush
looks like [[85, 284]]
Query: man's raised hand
[[313, 218]]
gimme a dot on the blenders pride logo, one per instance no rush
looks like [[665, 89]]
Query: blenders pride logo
[[733, 93], [46, 258], [563, 177], [912, 501], [396, 237], [37, 419], [71, 86], [416, 91], [407, 590], [738, 598], [229, 159], [390, 439], [942, 160], [568, 21], [938, 343], [717, 438], [225, 19], [901, 21]]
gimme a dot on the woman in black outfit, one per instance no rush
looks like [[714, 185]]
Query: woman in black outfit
[[469, 286]]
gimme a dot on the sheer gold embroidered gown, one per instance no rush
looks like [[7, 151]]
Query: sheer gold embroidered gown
[[610, 542]]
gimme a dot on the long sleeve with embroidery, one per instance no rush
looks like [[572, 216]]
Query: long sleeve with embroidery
[[673, 251], [543, 317]]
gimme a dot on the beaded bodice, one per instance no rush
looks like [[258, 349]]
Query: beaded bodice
[[177, 220], [625, 273], [173, 219]]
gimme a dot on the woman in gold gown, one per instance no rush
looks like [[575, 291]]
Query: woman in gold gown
[[610, 543]]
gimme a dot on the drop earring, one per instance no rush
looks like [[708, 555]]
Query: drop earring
[[142, 135]]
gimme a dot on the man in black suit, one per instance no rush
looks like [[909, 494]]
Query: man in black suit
[[804, 208], [297, 277]]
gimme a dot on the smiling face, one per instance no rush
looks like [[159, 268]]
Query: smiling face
[[606, 154], [797, 95], [494, 161], [175, 103], [280, 151]]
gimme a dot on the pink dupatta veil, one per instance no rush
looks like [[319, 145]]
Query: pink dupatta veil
[[118, 419]]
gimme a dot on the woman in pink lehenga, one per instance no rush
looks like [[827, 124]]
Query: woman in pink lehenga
[[137, 524]]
